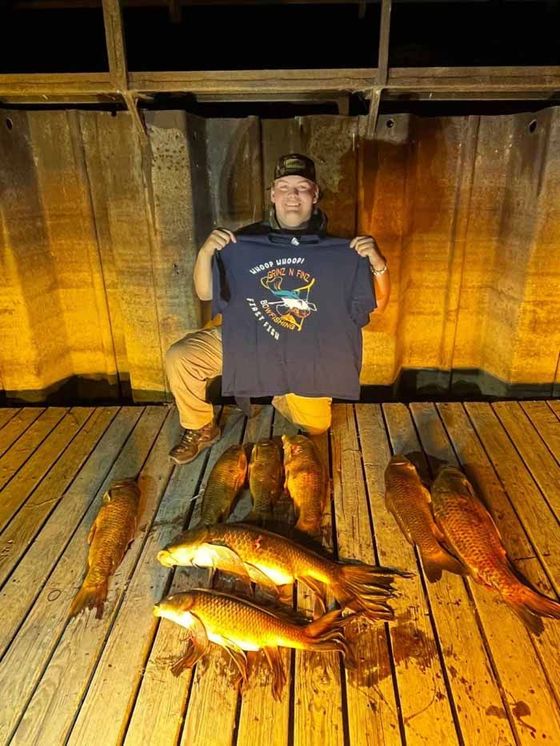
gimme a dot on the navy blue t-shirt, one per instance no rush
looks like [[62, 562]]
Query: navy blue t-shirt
[[293, 310]]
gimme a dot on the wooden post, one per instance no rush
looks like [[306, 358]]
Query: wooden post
[[382, 69], [116, 54]]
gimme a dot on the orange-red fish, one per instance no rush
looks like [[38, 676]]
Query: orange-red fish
[[472, 534], [410, 503]]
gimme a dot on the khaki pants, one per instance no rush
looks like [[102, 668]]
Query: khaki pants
[[192, 361]]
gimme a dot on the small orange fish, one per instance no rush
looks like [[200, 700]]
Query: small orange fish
[[112, 532], [306, 482], [409, 502]]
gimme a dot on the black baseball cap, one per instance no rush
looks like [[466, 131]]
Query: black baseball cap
[[295, 164]]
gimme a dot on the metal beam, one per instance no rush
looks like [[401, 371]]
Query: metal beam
[[538, 83]]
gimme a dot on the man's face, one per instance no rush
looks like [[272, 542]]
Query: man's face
[[294, 198]]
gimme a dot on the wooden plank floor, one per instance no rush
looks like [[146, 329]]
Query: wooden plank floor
[[456, 666]]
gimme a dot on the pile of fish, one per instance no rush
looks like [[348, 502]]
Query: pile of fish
[[271, 560], [454, 531], [448, 524]]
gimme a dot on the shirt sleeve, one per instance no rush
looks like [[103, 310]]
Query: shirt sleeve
[[363, 294], [220, 288]]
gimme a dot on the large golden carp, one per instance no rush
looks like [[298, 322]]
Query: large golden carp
[[472, 534], [265, 479], [409, 502], [241, 626], [112, 531], [224, 483], [306, 482], [266, 558]]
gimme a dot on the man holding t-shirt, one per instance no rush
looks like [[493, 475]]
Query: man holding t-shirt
[[293, 302]]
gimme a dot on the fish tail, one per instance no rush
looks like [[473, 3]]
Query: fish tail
[[435, 564], [326, 633], [365, 588], [89, 597], [531, 605]]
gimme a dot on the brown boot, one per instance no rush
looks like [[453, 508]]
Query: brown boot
[[194, 442]]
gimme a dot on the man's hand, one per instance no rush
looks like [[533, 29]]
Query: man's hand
[[367, 246], [216, 241]]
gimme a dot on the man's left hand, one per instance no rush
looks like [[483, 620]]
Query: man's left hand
[[367, 246]]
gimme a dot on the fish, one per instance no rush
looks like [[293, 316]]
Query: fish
[[269, 559], [241, 626], [224, 484], [474, 537], [266, 475], [410, 504], [112, 532], [306, 482]]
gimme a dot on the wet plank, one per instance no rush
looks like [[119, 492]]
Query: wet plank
[[14, 425], [547, 424], [27, 480], [6, 414], [530, 703], [372, 707], [29, 438], [24, 584], [544, 469], [425, 705], [46, 638]]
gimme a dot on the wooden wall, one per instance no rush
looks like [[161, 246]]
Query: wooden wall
[[99, 235]]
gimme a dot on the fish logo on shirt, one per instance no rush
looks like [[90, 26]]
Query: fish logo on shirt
[[293, 306]]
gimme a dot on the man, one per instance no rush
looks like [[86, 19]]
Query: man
[[194, 360]]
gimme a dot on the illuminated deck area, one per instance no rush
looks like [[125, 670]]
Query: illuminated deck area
[[455, 667]]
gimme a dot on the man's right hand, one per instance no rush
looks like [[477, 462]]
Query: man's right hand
[[216, 241]]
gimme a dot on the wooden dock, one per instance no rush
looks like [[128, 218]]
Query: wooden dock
[[456, 666]]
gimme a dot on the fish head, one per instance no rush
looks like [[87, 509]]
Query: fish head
[[265, 451], [451, 479], [294, 447], [184, 550], [177, 608]]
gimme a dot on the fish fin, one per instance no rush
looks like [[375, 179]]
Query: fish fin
[[530, 605], [402, 525], [239, 657], [531, 620], [261, 578], [227, 560], [432, 569], [324, 623], [197, 646], [92, 531], [286, 594], [434, 565], [320, 593], [272, 655], [89, 597]]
